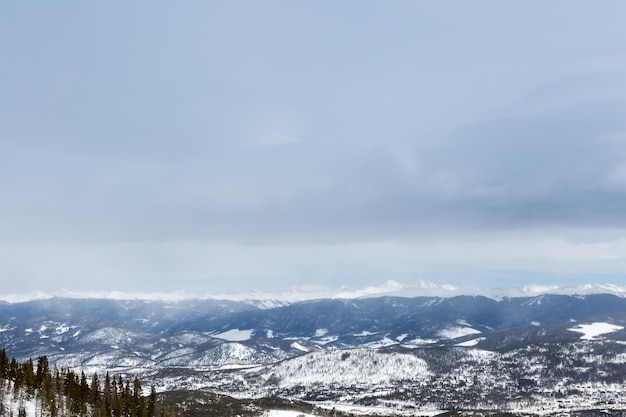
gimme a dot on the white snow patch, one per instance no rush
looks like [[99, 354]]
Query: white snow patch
[[472, 342], [286, 413], [454, 332], [269, 334], [364, 333], [414, 343], [235, 335], [298, 346], [402, 337], [61, 329], [381, 343], [327, 340], [321, 332], [593, 330]]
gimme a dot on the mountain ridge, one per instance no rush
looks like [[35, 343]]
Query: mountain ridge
[[424, 352], [269, 299], [90, 332]]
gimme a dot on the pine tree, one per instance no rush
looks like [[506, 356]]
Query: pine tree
[[152, 403], [4, 364], [127, 400], [94, 391], [13, 370], [62, 392], [139, 402], [107, 394], [28, 372], [43, 369]]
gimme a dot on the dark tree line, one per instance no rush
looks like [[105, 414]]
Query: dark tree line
[[60, 392]]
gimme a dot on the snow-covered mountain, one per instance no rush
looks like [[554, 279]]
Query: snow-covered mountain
[[215, 333], [269, 299], [425, 352]]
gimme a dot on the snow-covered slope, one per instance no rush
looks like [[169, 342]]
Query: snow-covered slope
[[356, 367]]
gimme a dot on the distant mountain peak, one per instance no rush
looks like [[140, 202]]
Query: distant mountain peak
[[391, 288]]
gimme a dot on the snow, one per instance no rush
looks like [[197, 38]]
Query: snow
[[593, 330], [364, 333], [454, 332], [298, 346], [286, 413], [418, 342], [61, 329], [235, 335], [361, 410], [193, 339], [107, 335], [10, 404], [321, 332], [358, 367], [381, 343], [534, 301], [472, 342], [267, 299], [327, 340]]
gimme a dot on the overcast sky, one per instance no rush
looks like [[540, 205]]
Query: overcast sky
[[234, 145]]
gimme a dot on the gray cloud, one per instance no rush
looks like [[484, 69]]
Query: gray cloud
[[326, 126]]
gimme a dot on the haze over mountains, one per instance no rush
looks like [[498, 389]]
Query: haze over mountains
[[153, 330], [391, 288]]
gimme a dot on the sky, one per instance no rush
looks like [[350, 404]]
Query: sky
[[211, 147]]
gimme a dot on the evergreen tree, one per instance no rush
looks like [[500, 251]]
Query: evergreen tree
[[152, 403], [4, 364], [13, 368], [63, 393], [94, 391], [28, 374], [107, 394], [139, 402], [43, 369]]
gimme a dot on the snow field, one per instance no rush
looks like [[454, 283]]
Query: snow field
[[358, 367], [235, 335], [593, 330], [286, 413]]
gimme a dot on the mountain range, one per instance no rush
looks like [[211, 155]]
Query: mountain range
[[402, 353]]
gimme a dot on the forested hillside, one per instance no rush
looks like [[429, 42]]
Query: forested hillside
[[29, 389]]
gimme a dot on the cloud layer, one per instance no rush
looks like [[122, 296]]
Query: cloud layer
[[274, 144]]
